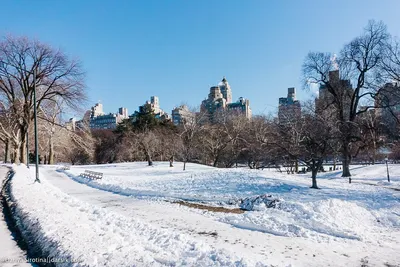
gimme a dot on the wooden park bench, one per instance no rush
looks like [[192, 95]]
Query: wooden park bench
[[91, 175]]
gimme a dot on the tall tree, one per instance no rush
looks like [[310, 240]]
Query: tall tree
[[28, 64], [390, 63], [316, 142], [357, 63], [190, 132]]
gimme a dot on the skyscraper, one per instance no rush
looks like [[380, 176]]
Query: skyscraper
[[154, 106], [289, 107], [97, 110], [220, 98], [123, 112], [328, 104], [226, 90], [387, 111]]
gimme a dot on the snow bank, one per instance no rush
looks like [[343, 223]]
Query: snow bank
[[8, 243], [69, 229], [320, 220]]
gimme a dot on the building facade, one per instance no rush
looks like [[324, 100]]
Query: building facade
[[154, 105], [181, 115], [220, 99], [226, 90], [107, 121], [97, 110], [241, 107], [123, 112], [289, 109], [326, 103], [99, 120], [387, 108]]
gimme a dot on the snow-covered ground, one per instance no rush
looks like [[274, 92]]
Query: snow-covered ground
[[10, 253], [316, 214], [127, 217], [87, 235]]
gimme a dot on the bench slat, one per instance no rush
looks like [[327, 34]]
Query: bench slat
[[92, 174]]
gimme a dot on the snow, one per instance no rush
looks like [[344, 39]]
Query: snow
[[341, 224], [314, 212], [10, 253], [88, 235]]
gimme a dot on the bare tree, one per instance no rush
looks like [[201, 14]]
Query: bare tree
[[25, 65], [390, 63], [189, 134], [259, 142], [10, 133], [287, 137], [317, 138], [149, 143], [221, 134], [371, 139], [49, 116], [357, 62]]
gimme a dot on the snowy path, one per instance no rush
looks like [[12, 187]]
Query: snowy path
[[255, 245], [9, 249]]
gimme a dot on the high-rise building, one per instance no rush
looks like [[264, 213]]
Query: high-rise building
[[387, 108], [242, 106], [220, 98], [154, 105], [289, 108], [214, 102], [99, 120], [327, 103], [226, 90], [97, 110], [182, 115], [123, 112], [107, 121]]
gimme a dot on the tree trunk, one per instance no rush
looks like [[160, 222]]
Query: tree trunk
[[374, 153], [22, 152], [23, 140], [51, 151], [314, 172], [296, 166], [16, 156], [184, 165], [149, 160], [216, 161], [7, 146], [346, 161]]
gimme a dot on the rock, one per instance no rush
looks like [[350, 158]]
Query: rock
[[256, 202]]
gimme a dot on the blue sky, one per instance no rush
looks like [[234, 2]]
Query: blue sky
[[177, 50]]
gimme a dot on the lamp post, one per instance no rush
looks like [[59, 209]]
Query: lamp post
[[387, 168], [36, 135], [27, 149]]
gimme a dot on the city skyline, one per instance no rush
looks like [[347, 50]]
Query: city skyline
[[178, 50]]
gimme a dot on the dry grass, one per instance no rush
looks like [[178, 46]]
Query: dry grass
[[209, 208]]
